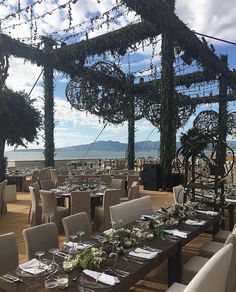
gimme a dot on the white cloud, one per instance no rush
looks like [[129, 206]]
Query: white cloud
[[215, 18]]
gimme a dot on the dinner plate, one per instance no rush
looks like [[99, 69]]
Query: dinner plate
[[90, 283], [52, 268]]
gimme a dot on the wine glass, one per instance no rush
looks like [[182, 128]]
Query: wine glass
[[73, 237], [114, 254], [53, 251], [80, 233], [39, 254]]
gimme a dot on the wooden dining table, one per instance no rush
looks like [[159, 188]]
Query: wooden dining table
[[171, 250]]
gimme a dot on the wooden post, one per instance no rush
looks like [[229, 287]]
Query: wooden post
[[49, 147], [222, 126], [131, 129], [168, 105]]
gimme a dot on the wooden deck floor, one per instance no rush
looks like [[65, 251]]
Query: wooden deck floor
[[16, 219]]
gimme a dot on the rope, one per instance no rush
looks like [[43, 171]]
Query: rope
[[145, 140], [91, 145], [35, 84]]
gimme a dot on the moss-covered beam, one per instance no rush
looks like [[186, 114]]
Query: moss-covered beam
[[182, 80], [158, 13], [116, 41]]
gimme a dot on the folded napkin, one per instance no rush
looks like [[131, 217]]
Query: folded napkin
[[101, 277], [209, 213], [195, 222], [153, 216], [177, 232], [143, 253], [108, 231], [32, 267], [79, 246]]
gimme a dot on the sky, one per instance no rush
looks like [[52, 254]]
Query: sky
[[212, 17]]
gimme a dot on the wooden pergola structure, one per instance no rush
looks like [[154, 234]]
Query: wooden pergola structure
[[158, 18]]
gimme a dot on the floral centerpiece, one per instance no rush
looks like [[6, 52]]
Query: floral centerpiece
[[130, 237], [90, 258]]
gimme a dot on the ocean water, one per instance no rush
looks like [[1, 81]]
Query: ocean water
[[74, 155]]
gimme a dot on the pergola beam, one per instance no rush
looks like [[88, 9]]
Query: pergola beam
[[158, 13], [118, 40]]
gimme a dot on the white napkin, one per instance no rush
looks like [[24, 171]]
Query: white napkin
[[32, 267], [143, 253], [79, 246], [101, 277], [153, 216], [176, 232], [209, 213], [195, 222], [108, 231]]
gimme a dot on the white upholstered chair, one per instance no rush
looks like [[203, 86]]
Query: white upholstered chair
[[77, 222], [213, 275], [3, 203], [178, 193], [50, 211], [47, 184], [118, 184], [80, 202], [192, 267], [36, 207], [102, 219], [8, 253], [130, 211], [41, 237]]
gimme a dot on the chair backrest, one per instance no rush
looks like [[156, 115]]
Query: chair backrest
[[213, 275], [36, 187], [231, 278], [106, 178], [3, 202], [47, 184], [130, 211], [93, 180], [35, 176], [54, 176], [77, 222], [36, 209], [118, 184], [110, 198], [80, 202], [134, 192], [130, 179], [8, 253], [41, 237], [49, 206], [178, 193]]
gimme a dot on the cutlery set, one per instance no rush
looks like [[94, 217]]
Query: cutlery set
[[11, 279], [117, 272]]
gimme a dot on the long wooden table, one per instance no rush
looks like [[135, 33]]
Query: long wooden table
[[171, 251]]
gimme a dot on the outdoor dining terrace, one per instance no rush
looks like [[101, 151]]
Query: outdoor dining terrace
[[16, 219]]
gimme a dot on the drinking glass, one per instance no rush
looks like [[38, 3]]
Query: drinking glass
[[39, 254], [73, 237], [80, 233], [53, 251], [114, 254]]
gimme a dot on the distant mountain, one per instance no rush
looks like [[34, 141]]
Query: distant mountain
[[116, 146]]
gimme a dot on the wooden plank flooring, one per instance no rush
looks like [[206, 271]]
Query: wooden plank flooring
[[16, 219]]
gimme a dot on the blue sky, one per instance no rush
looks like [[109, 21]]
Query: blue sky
[[213, 17]]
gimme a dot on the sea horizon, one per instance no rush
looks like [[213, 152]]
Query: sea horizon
[[75, 155]]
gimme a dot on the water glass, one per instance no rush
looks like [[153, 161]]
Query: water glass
[[63, 281]]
